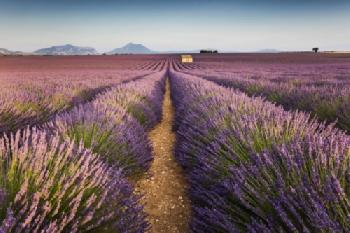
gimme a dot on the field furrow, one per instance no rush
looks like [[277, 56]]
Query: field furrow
[[164, 188]]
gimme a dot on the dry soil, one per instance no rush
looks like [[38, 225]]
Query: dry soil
[[164, 186]]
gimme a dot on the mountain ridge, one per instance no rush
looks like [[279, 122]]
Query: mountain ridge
[[67, 49], [4, 52], [132, 48]]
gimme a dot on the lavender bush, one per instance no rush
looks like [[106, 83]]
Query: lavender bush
[[142, 98], [48, 185], [106, 127], [254, 167], [109, 132]]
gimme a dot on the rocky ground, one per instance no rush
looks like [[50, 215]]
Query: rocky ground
[[164, 186]]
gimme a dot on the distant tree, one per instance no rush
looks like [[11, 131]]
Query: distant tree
[[315, 50], [208, 51]]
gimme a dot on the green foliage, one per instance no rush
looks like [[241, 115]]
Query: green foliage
[[138, 113], [103, 142]]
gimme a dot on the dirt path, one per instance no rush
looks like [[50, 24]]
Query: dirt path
[[164, 185]]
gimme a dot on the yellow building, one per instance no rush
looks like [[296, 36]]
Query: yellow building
[[186, 59]]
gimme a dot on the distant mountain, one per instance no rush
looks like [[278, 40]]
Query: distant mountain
[[9, 52], [132, 48], [67, 49], [268, 51]]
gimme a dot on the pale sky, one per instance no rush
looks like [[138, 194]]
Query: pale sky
[[230, 25]]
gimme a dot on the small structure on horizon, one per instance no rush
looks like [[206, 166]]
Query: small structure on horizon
[[186, 59], [315, 50], [208, 51]]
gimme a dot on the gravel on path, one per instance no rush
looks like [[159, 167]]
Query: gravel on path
[[164, 186]]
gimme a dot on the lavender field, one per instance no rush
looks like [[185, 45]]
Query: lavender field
[[262, 142]]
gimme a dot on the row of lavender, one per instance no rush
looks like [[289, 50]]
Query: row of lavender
[[71, 174], [32, 97], [325, 94], [254, 167]]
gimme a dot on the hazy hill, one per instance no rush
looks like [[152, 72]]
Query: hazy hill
[[9, 52], [67, 49], [132, 48], [268, 51]]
